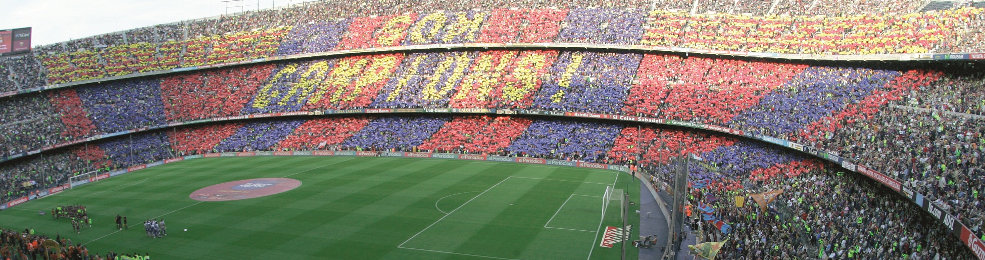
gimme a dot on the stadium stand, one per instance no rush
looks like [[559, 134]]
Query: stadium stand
[[28, 121], [825, 27], [807, 104], [919, 126]]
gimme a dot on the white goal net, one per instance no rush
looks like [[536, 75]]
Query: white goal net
[[612, 195], [80, 179]]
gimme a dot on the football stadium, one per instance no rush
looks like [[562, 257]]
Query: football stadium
[[503, 129]]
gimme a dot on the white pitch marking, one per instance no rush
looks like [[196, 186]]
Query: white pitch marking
[[571, 229], [601, 219], [401, 245], [165, 214], [547, 225], [531, 178], [439, 200], [446, 252]]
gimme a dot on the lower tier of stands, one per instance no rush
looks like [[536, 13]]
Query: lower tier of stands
[[819, 210]]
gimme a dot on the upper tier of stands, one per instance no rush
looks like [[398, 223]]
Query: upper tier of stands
[[782, 26]]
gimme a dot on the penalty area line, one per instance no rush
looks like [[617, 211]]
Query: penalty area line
[[547, 225], [546, 179]]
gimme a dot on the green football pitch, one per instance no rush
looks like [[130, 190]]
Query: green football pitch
[[351, 208]]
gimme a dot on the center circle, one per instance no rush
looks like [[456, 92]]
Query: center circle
[[244, 189]]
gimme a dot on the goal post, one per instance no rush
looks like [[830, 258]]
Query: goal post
[[80, 179], [611, 194], [615, 229]]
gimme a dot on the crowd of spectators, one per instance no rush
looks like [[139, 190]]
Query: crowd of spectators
[[786, 26], [200, 139], [934, 153], [19, 72], [28, 122], [124, 105], [809, 96], [588, 82], [137, 149], [570, 140], [961, 93], [256, 136], [655, 146], [819, 214], [860, 113], [400, 133], [29, 245], [476, 134], [503, 79], [703, 90], [211, 94], [20, 179], [74, 116], [323, 133]]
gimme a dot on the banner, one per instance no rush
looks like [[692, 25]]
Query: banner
[[137, 167], [973, 242], [614, 235], [472, 157], [365, 153], [766, 197], [173, 160], [22, 40], [531, 160], [560, 163], [417, 155], [707, 250], [392, 154], [740, 201], [6, 40], [58, 189], [500, 158], [102, 177], [890, 182], [592, 165], [17, 201], [445, 156], [378, 110]]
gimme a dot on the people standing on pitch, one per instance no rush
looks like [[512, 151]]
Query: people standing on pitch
[[147, 227], [155, 228], [119, 222], [164, 228]]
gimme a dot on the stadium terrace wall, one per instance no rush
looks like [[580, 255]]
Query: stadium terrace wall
[[519, 46], [939, 212]]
